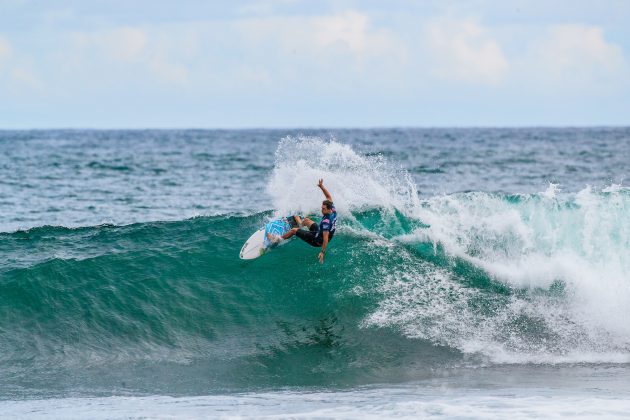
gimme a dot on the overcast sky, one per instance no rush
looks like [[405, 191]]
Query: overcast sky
[[292, 63]]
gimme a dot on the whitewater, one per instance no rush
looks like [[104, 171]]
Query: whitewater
[[475, 273]]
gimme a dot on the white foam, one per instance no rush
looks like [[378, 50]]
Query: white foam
[[581, 241], [406, 402], [356, 182], [551, 191]]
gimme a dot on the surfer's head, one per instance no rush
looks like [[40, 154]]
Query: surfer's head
[[327, 206]]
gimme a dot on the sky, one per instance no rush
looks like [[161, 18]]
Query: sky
[[302, 64]]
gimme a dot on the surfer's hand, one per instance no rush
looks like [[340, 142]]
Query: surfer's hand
[[320, 184], [321, 258]]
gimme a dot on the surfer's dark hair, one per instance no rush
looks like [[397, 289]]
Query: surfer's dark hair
[[328, 204]]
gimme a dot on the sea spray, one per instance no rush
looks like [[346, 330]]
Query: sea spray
[[356, 181]]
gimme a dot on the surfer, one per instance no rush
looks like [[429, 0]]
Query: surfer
[[317, 235]]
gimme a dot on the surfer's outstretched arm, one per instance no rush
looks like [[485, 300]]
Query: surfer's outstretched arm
[[325, 236], [320, 184]]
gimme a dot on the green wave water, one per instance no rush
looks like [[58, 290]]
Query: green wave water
[[168, 307], [96, 304]]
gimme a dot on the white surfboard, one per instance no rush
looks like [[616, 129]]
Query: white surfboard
[[254, 247], [258, 244]]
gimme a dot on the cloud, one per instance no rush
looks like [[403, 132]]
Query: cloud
[[429, 63], [169, 71], [25, 76], [463, 51], [578, 55], [17, 73], [350, 29], [123, 44], [349, 33], [341, 54], [132, 52], [248, 56]]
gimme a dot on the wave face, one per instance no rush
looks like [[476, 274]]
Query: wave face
[[169, 307], [409, 286]]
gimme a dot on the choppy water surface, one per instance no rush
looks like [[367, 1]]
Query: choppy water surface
[[86, 178], [478, 268]]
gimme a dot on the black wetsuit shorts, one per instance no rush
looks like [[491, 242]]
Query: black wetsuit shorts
[[310, 236]]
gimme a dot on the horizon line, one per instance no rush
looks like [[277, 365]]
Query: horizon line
[[332, 127]]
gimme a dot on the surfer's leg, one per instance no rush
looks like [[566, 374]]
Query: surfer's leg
[[309, 237], [290, 233], [307, 222]]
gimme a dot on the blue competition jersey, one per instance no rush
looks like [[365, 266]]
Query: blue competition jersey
[[328, 223]]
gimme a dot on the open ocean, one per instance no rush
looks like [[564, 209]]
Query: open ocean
[[475, 273]]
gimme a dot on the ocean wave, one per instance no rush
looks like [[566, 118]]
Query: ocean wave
[[451, 282], [409, 284]]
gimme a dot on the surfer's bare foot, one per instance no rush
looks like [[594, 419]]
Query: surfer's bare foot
[[274, 239]]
